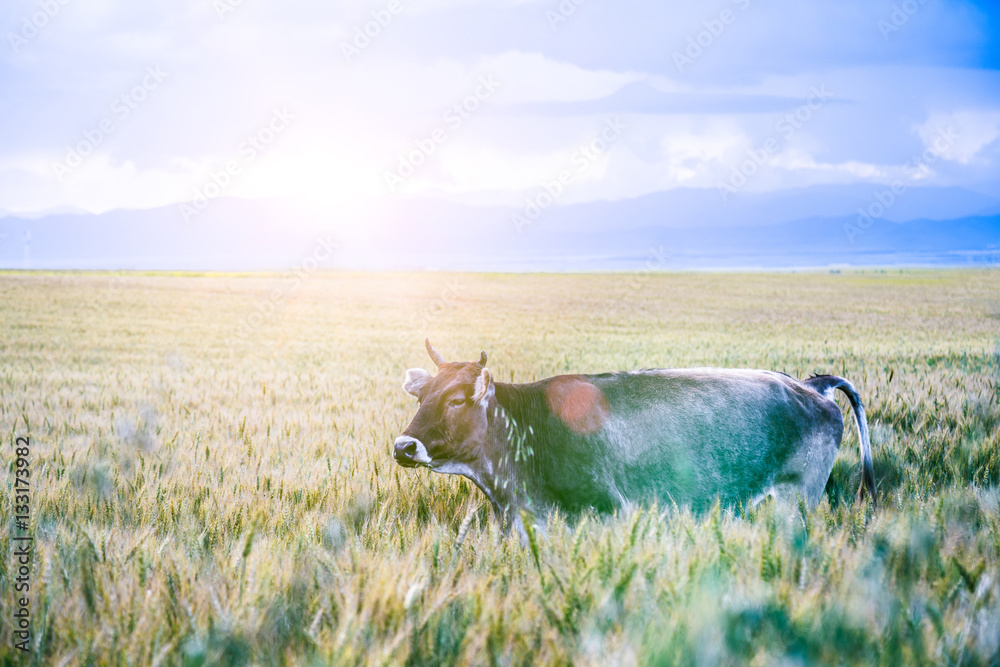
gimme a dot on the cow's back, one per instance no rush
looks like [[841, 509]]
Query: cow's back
[[691, 435]]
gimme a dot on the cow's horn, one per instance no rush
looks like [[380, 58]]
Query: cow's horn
[[435, 355], [482, 358]]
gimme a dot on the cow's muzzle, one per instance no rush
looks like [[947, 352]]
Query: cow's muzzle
[[410, 452]]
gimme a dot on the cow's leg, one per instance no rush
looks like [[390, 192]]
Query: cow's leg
[[814, 482], [762, 496], [538, 526], [808, 470], [514, 520]]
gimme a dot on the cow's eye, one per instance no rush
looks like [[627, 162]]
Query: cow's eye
[[456, 402]]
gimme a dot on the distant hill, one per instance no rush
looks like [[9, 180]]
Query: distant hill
[[679, 229]]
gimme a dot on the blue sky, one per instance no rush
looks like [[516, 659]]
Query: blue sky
[[109, 104]]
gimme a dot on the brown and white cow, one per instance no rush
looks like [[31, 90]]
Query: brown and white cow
[[677, 436]]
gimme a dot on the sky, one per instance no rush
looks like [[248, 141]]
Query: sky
[[108, 104]]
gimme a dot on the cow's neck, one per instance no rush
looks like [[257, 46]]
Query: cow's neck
[[514, 431]]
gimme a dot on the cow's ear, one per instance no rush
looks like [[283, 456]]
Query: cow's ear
[[484, 387], [416, 378]]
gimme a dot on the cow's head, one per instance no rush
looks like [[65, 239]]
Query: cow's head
[[449, 429]]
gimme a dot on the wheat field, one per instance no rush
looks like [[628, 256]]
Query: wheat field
[[212, 481]]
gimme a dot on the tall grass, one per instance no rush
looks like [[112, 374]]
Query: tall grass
[[201, 498]]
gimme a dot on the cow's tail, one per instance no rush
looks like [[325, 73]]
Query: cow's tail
[[826, 384]]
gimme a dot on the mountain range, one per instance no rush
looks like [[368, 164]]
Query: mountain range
[[815, 227]]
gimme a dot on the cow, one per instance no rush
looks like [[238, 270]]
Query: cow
[[684, 437]]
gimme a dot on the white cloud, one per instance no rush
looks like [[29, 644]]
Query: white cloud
[[960, 136], [532, 77], [653, 153], [413, 87], [99, 184], [357, 118]]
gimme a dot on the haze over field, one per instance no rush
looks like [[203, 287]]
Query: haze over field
[[525, 134]]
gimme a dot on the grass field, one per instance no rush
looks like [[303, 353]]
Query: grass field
[[214, 486]]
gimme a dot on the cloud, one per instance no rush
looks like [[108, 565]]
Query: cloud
[[961, 136], [532, 77], [355, 119], [99, 184]]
